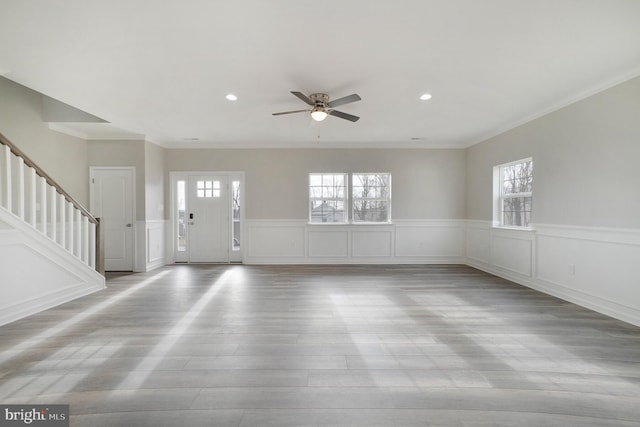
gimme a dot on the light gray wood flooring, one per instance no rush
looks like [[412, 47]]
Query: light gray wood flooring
[[237, 345]]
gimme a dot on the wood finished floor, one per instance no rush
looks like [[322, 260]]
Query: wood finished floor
[[323, 345]]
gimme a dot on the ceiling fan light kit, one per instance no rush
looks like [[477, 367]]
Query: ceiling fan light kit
[[322, 107], [318, 114]]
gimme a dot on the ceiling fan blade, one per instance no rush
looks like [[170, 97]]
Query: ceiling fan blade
[[342, 115], [290, 112], [344, 100], [304, 97]]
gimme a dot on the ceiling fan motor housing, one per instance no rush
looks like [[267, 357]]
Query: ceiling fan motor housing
[[320, 99]]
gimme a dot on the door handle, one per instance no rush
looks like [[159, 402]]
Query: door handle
[[129, 225]]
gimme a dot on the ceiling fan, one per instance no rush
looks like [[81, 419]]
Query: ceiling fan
[[322, 107]]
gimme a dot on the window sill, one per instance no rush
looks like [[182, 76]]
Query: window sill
[[333, 224], [512, 228]]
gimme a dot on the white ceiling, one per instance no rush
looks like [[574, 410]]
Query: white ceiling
[[161, 69]]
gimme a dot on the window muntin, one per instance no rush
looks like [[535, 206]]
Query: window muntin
[[327, 198], [515, 193], [371, 197], [207, 189]]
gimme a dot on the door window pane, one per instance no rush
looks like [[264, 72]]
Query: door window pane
[[235, 215], [182, 224]]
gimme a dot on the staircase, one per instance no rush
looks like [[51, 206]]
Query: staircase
[[50, 246]]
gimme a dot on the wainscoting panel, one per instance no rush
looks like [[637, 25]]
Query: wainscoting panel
[[328, 242], [275, 241], [155, 244], [513, 251], [593, 267], [372, 243], [598, 268], [403, 242], [430, 239]]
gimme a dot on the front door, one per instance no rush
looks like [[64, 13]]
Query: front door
[[112, 202], [207, 218]]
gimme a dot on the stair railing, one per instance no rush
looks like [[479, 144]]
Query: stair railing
[[29, 193]]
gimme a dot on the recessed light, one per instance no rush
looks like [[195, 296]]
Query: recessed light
[[231, 97], [425, 96]]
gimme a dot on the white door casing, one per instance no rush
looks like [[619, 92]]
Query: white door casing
[[112, 200]]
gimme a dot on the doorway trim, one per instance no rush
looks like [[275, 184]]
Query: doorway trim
[[134, 200], [174, 177]]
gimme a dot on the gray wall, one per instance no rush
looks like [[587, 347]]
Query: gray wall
[[586, 162], [154, 180], [62, 157], [426, 184]]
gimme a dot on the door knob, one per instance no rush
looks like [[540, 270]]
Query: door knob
[[129, 225]]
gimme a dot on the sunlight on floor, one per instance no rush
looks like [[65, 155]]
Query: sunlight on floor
[[16, 350], [135, 379]]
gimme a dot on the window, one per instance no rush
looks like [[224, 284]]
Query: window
[[235, 215], [513, 185], [371, 196], [207, 189], [327, 197], [181, 206]]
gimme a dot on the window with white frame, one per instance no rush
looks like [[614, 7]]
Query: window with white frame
[[371, 197], [235, 215], [513, 189], [207, 189], [328, 198]]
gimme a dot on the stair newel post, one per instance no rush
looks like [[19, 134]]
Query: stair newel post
[[99, 246], [92, 245]]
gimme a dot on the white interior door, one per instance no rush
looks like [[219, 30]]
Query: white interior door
[[208, 218], [112, 201]]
